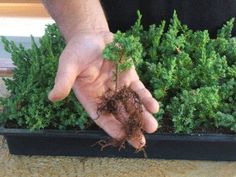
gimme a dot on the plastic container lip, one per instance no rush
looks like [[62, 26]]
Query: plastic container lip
[[159, 146], [97, 133]]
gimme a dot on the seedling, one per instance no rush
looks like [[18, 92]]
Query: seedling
[[123, 102]]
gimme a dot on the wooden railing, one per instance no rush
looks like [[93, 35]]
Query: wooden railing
[[18, 8], [6, 67], [22, 8]]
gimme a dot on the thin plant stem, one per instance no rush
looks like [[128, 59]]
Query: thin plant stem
[[116, 77], [117, 70]]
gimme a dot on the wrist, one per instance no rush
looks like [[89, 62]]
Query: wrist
[[77, 15], [89, 36], [84, 30]]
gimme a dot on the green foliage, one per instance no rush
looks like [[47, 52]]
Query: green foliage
[[225, 31], [193, 109], [124, 51], [137, 28], [226, 120], [226, 114], [33, 78], [192, 75]]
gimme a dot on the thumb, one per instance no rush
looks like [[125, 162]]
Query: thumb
[[67, 73]]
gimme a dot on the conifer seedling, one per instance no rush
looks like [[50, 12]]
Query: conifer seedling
[[125, 51]]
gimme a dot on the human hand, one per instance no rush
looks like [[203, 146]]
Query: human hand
[[82, 68]]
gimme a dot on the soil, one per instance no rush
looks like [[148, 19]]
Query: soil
[[213, 130], [126, 107], [12, 124], [167, 125]]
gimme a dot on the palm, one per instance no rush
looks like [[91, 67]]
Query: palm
[[82, 66]]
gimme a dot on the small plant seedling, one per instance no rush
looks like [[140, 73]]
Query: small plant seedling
[[123, 102], [124, 52]]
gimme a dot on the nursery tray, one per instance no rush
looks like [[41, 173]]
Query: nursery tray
[[219, 147], [197, 14]]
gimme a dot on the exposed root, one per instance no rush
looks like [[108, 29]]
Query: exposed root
[[126, 107], [143, 150], [110, 142]]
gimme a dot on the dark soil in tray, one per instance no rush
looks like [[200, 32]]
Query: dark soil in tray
[[166, 128]]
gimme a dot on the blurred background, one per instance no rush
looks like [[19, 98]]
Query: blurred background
[[19, 19]]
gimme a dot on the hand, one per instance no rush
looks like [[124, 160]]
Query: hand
[[82, 68]]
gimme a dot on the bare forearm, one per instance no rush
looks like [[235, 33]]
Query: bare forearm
[[74, 16]]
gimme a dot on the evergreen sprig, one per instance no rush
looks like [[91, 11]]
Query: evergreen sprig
[[33, 77], [124, 51]]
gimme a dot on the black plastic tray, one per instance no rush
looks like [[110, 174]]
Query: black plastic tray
[[219, 147]]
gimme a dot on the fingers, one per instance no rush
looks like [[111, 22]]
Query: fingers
[[115, 129], [148, 101], [111, 126], [107, 122], [65, 77], [138, 144], [150, 124]]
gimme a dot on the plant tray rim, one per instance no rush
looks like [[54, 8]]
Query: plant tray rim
[[54, 142], [95, 133]]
